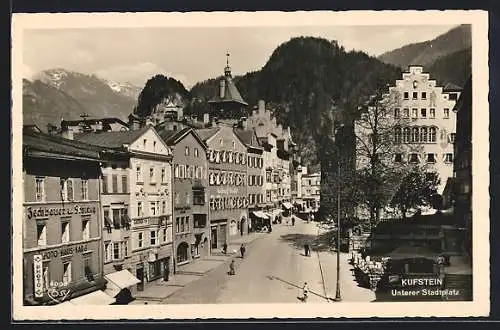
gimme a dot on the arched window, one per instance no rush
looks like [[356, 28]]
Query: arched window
[[423, 134], [176, 171], [406, 135], [414, 134], [432, 134], [397, 135]]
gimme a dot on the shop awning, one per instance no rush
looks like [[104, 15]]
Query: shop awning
[[94, 298], [260, 214], [287, 205], [119, 280]]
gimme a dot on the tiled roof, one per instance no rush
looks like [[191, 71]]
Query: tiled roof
[[171, 136], [111, 139], [451, 87], [231, 93], [66, 123], [246, 137], [37, 141], [207, 133]]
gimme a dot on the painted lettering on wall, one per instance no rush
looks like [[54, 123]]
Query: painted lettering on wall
[[48, 211], [65, 251], [227, 191], [38, 274]]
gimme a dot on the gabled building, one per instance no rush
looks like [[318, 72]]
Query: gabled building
[[255, 175], [137, 207], [227, 175], [62, 242], [190, 202], [85, 124]]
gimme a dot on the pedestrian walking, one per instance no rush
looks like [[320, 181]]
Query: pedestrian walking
[[224, 248], [305, 292], [242, 250], [231, 268], [293, 221], [305, 249]]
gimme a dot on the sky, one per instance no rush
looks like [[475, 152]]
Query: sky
[[193, 54]]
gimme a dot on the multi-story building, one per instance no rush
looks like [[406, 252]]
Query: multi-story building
[[278, 151], [430, 130], [255, 175], [62, 243], [86, 124], [137, 229], [463, 165], [310, 190], [190, 178], [227, 174]]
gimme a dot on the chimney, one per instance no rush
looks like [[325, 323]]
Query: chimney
[[222, 88], [206, 118], [180, 114], [262, 106], [244, 123]]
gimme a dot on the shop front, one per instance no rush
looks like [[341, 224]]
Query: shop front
[[218, 233]]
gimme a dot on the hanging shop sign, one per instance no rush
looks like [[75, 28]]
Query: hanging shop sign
[[49, 211], [38, 275]]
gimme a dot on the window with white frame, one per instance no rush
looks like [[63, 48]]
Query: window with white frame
[[40, 189], [107, 252], [66, 272], [125, 248], [140, 241], [152, 237], [196, 152], [65, 236], [432, 113], [41, 230], [448, 158], [85, 189], [398, 158], [431, 158], [406, 112], [397, 113], [152, 174], [423, 113], [67, 189], [432, 134], [116, 251], [152, 208], [85, 229], [139, 209], [138, 173], [163, 177], [446, 113], [414, 113], [164, 236]]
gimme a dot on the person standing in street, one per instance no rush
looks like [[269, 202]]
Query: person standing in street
[[305, 249], [242, 250], [293, 220], [224, 248], [305, 292], [231, 268]]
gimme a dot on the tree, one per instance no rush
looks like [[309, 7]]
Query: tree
[[376, 145], [156, 89], [418, 188]]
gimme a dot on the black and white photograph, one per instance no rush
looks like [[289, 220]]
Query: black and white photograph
[[264, 164]]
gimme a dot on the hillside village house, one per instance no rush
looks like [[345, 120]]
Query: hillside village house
[[62, 244], [424, 124], [88, 124], [227, 175], [190, 204], [140, 239]]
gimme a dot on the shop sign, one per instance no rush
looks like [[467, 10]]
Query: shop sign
[[38, 275], [227, 191], [65, 251], [49, 211]]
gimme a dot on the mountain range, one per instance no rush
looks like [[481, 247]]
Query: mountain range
[[296, 81]]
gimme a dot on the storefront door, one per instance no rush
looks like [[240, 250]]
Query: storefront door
[[140, 276], [213, 237]]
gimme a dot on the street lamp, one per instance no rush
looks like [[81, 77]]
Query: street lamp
[[338, 297]]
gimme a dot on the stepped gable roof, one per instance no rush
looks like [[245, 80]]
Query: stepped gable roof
[[114, 139], [207, 133], [52, 146], [451, 87]]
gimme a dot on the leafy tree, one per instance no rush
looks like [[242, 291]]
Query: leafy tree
[[416, 189], [376, 145], [156, 89]]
